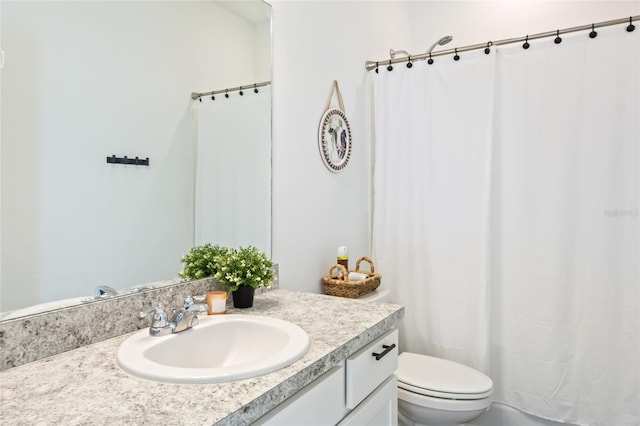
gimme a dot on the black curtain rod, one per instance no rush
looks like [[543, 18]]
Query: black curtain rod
[[370, 65], [254, 86]]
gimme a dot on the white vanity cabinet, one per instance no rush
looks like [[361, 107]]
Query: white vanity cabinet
[[361, 390], [371, 384], [337, 381]]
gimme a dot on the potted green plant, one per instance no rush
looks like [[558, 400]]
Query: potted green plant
[[201, 261], [241, 271]]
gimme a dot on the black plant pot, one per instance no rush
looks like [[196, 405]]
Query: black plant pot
[[243, 296]]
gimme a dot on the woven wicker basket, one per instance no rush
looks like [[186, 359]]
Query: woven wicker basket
[[335, 285]]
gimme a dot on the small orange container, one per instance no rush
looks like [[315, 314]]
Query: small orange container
[[217, 301]]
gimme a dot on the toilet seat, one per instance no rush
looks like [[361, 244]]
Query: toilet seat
[[443, 395], [440, 378], [445, 404]]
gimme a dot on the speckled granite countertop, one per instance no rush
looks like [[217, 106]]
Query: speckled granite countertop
[[85, 386]]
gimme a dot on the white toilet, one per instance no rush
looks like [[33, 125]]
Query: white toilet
[[434, 391], [438, 392]]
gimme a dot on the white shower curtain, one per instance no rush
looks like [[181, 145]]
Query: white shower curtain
[[506, 219], [233, 179]]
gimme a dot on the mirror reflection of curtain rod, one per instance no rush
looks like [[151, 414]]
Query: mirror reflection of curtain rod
[[254, 86], [371, 65]]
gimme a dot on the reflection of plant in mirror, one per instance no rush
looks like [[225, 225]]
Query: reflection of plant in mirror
[[244, 266], [201, 261]]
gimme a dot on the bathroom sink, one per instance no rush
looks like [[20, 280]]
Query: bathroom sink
[[220, 348]]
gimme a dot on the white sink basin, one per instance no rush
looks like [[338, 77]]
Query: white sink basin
[[220, 348]]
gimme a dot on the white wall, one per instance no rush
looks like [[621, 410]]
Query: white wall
[[472, 22], [315, 210], [315, 42], [84, 80]]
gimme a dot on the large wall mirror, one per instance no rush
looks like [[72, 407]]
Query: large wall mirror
[[86, 80]]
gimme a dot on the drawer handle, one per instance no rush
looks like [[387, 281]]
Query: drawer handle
[[386, 348]]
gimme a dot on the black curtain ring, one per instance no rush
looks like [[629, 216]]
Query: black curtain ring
[[630, 27], [557, 40], [430, 61], [200, 99], [526, 43], [409, 63], [390, 67], [487, 49], [213, 97], [593, 33], [241, 92], [226, 94], [456, 57], [376, 68], [255, 88]]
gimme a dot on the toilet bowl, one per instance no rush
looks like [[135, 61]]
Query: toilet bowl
[[438, 392], [434, 391]]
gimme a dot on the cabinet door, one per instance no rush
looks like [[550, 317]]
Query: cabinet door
[[370, 366], [320, 403], [378, 409]]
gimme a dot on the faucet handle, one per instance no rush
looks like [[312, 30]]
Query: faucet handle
[[191, 306], [160, 318], [105, 291]]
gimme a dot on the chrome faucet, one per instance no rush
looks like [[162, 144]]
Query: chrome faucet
[[99, 293], [182, 320], [105, 291], [160, 325]]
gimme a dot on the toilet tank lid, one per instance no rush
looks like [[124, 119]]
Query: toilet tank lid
[[441, 375], [379, 295]]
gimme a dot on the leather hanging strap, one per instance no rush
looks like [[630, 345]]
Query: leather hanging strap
[[335, 88]]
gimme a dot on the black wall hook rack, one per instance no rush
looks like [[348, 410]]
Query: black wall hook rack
[[126, 160]]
